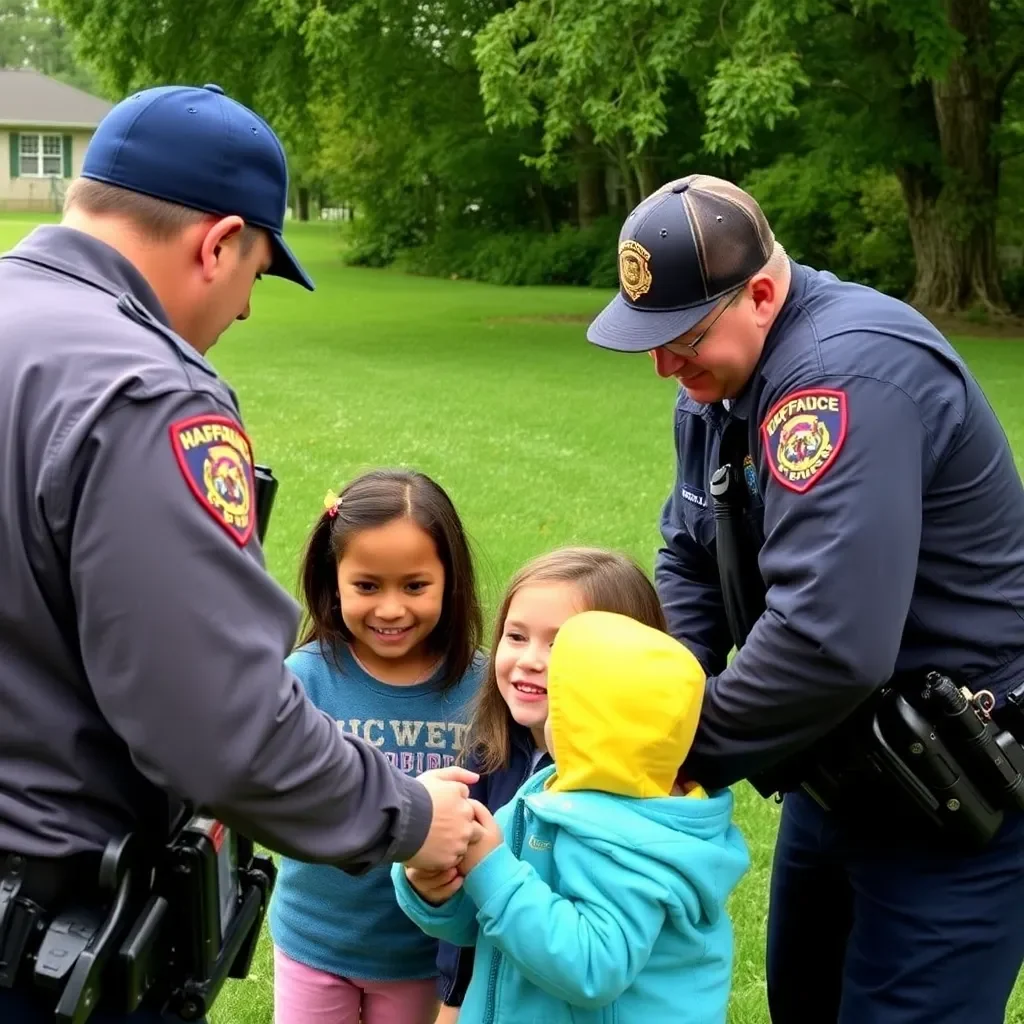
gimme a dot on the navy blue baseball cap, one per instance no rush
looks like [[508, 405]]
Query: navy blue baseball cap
[[681, 250], [201, 149]]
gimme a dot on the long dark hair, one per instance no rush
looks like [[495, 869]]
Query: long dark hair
[[607, 581], [371, 500]]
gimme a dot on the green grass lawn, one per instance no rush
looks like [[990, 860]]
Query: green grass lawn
[[541, 439]]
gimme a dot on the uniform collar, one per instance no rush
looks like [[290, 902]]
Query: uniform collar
[[87, 259], [78, 255]]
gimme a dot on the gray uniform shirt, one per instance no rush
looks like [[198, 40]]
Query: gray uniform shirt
[[142, 642]]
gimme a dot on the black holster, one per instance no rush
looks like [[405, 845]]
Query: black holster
[[266, 492], [162, 928]]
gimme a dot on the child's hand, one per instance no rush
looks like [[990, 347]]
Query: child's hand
[[490, 839], [447, 1014], [434, 887]]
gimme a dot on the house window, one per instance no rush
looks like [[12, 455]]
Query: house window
[[42, 156]]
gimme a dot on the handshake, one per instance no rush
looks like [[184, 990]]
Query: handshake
[[462, 832]]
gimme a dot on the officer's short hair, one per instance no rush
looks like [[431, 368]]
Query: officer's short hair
[[777, 261], [158, 219], [776, 265]]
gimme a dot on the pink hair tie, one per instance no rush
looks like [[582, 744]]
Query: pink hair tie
[[332, 502]]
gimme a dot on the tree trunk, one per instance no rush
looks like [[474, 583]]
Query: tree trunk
[[629, 181], [954, 247], [645, 175], [591, 197], [303, 203], [536, 192], [952, 211]]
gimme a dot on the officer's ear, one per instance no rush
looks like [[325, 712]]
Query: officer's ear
[[766, 295], [221, 237]]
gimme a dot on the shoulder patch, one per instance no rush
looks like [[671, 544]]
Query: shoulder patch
[[803, 434], [215, 457]]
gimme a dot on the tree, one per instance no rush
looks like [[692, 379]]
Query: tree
[[242, 46], [917, 86], [31, 37], [593, 74], [238, 44], [440, 115], [387, 90]]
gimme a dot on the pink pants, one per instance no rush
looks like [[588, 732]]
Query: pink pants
[[304, 995]]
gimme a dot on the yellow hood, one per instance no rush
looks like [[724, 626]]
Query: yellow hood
[[623, 702]]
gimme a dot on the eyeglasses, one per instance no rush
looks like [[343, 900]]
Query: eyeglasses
[[691, 346]]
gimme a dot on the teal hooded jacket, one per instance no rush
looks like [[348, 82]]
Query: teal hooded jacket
[[601, 907]]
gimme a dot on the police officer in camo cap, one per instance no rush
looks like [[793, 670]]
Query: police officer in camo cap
[[889, 523], [142, 640]]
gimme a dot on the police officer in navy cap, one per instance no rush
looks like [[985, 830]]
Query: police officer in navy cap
[[142, 642], [892, 543]]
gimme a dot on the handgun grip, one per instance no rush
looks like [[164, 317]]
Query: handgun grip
[[266, 492]]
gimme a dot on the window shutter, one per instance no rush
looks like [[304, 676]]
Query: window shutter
[[67, 156], [15, 154]]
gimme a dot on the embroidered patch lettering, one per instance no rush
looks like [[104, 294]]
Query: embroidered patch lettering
[[215, 457], [694, 495], [803, 434], [634, 269]]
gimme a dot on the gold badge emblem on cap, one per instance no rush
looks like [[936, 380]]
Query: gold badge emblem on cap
[[634, 269]]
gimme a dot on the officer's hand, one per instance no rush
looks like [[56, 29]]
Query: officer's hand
[[453, 826], [490, 838], [435, 887], [453, 773]]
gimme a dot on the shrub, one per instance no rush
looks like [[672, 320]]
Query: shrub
[[566, 256]]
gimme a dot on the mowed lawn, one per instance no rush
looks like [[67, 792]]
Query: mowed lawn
[[541, 439]]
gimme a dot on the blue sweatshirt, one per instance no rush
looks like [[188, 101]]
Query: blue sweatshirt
[[607, 898], [350, 925]]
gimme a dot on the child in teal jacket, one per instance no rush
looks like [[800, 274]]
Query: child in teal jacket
[[598, 894]]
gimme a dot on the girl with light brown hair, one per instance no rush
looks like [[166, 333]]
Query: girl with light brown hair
[[505, 742]]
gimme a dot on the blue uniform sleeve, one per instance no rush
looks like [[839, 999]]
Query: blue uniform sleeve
[[847, 463], [686, 577], [454, 921], [584, 946]]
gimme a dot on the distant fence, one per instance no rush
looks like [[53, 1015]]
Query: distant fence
[[336, 213], [30, 205], [52, 202]]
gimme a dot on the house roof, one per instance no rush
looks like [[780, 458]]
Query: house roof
[[31, 99]]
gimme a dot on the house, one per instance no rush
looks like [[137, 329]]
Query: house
[[45, 126]]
